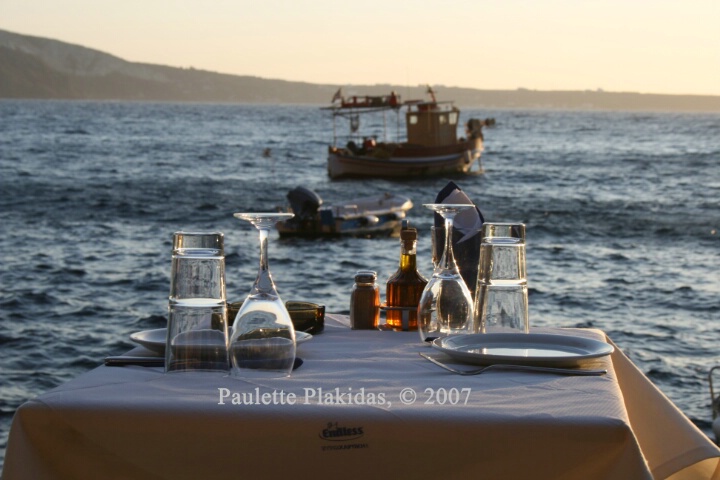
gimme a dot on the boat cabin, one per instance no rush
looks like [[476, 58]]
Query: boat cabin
[[432, 124]]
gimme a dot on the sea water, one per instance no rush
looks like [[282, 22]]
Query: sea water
[[621, 214]]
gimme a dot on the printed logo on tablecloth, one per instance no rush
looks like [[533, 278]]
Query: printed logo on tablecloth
[[336, 433]]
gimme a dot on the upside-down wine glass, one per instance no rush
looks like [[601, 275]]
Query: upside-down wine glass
[[446, 306], [262, 343]]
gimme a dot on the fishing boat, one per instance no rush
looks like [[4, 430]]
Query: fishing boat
[[371, 216], [431, 146]]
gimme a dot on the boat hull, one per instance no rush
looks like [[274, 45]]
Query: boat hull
[[373, 216], [386, 226], [405, 161]]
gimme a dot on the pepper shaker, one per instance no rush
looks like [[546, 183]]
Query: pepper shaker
[[365, 301]]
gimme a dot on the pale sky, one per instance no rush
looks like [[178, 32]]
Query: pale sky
[[647, 46]]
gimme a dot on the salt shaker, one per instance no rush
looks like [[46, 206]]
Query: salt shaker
[[365, 301]]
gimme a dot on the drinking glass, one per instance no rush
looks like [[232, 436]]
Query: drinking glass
[[446, 306], [501, 303], [504, 230], [197, 317], [306, 317], [262, 343], [466, 253]]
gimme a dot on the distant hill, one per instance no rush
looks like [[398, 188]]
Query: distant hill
[[40, 68]]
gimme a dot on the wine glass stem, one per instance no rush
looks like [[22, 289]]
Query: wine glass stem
[[264, 283], [448, 258]]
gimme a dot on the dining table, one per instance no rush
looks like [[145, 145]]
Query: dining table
[[362, 404]]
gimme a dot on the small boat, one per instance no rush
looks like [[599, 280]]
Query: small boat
[[431, 146], [379, 215]]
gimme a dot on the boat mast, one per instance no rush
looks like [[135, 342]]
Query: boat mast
[[385, 134]]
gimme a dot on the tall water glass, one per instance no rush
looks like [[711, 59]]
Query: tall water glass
[[197, 332], [501, 301]]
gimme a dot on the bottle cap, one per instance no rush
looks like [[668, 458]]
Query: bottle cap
[[365, 276], [408, 234]]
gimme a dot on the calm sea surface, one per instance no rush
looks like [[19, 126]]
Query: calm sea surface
[[622, 214]]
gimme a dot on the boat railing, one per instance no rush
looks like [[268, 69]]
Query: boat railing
[[360, 209], [421, 105]]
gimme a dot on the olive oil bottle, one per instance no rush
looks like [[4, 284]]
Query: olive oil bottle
[[405, 287]]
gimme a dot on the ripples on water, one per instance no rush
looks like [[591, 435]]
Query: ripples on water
[[621, 212]]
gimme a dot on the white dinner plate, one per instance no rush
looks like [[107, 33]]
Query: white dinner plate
[[154, 340], [522, 349]]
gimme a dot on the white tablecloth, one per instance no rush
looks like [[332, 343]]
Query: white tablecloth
[[363, 405]]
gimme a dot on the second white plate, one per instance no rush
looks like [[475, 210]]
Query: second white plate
[[522, 349], [154, 340]]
